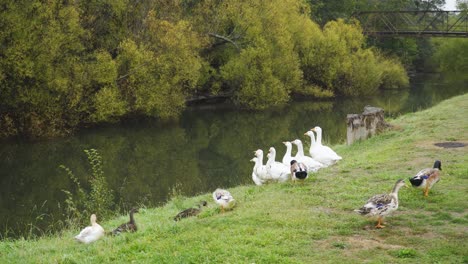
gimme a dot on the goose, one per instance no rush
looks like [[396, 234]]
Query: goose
[[382, 204], [190, 211], [129, 226], [260, 169], [90, 233], [312, 165], [298, 170], [277, 170], [319, 152], [426, 178], [224, 199], [287, 155], [255, 178]]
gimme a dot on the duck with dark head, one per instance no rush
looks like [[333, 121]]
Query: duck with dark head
[[190, 211], [129, 226], [426, 178]]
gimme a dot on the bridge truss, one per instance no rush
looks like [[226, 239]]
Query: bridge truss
[[414, 23]]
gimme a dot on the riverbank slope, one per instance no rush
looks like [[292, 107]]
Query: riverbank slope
[[309, 223]]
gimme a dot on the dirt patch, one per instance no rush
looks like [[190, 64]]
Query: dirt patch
[[356, 243], [452, 144]]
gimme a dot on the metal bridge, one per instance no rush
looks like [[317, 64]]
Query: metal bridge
[[414, 23]]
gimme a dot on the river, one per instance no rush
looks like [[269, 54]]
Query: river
[[146, 162]]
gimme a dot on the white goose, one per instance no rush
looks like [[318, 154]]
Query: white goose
[[256, 167], [277, 170], [287, 158], [260, 169], [320, 152], [91, 233], [311, 164]]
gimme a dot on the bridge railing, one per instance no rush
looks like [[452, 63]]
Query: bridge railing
[[414, 23]]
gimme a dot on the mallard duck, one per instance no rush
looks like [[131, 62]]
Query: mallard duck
[[382, 204], [312, 164], [224, 199], [319, 152], [277, 170], [426, 178], [91, 233], [190, 211], [127, 227], [298, 170]]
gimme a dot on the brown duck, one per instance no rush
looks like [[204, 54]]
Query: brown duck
[[127, 227], [190, 212]]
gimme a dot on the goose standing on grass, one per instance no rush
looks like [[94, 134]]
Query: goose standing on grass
[[224, 199], [190, 211], [130, 226], [91, 233], [277, 170], [257, 180], [382, 204], [312, 165], [298, 170], [426, 178], [261, 170], [287, 155], [320, 152]]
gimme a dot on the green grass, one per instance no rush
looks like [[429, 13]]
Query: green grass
[[306, 223]]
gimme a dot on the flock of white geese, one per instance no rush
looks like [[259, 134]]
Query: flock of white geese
[[296, 167], [293, 167]]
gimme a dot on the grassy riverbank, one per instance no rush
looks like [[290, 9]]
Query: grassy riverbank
[[309, 223]]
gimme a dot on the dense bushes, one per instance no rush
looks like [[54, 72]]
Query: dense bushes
[[65, 64]]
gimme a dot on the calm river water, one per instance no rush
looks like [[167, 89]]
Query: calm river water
[[209, 147]]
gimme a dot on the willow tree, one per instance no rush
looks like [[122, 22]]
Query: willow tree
[[43, 74], [157, 73]]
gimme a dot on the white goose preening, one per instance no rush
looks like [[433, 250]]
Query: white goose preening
[[91, 233], [277, 170], [224, 199], [320, 152], [312, 165]]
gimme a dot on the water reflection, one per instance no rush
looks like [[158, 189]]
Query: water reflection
[[209, 147]]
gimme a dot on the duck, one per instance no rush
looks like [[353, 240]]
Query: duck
[[90, 233], [277, 171], [312, 164], [190, 211], [319, 152], [224, 199], [426, 178], [287, 155], [130, 226], [255, 177], [298, 170], [261, 170], [381, 205]]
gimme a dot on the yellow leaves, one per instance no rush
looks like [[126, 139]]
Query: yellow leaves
[[108, 105]]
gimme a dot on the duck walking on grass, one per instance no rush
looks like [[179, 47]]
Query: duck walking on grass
[[127, 227], [90, 233], [426, 178], [190, 212], [382, 205], [224, 199]]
